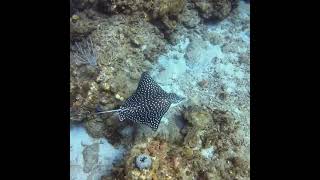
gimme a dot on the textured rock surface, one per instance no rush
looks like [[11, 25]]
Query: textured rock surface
[[215, 9], [90, 156]]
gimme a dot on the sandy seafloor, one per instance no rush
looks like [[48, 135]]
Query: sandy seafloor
[[220, 65]]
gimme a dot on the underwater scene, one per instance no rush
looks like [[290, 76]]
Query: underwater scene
[[159, 89]]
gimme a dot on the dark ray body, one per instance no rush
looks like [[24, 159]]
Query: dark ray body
[[148, 104]]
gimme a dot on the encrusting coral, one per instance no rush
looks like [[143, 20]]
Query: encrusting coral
[[215, 9], [208, 151], [163, 10]]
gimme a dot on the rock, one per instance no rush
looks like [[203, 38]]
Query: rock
[[95, 128], [214, 38], [163, 11], [90, 157], [203, 84], [81, 5], [215, 9], [195, 49], [189, 18], [80, 27], [198, 116]]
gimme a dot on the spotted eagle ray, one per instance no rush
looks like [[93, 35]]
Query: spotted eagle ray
[[148, 103]]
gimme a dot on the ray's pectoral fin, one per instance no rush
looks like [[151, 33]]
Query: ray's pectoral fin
[[154, 124], [174, 98]]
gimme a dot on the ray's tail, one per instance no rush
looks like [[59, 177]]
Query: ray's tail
[[110, 111]]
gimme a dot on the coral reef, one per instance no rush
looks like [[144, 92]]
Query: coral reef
[[189, 17], [80, 5], [160, 169], [210, 149], [215, 9], [95, 127], [81, 27], [198, 116], [163, 13], [204, 138], [85, 53], [121, 46]]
